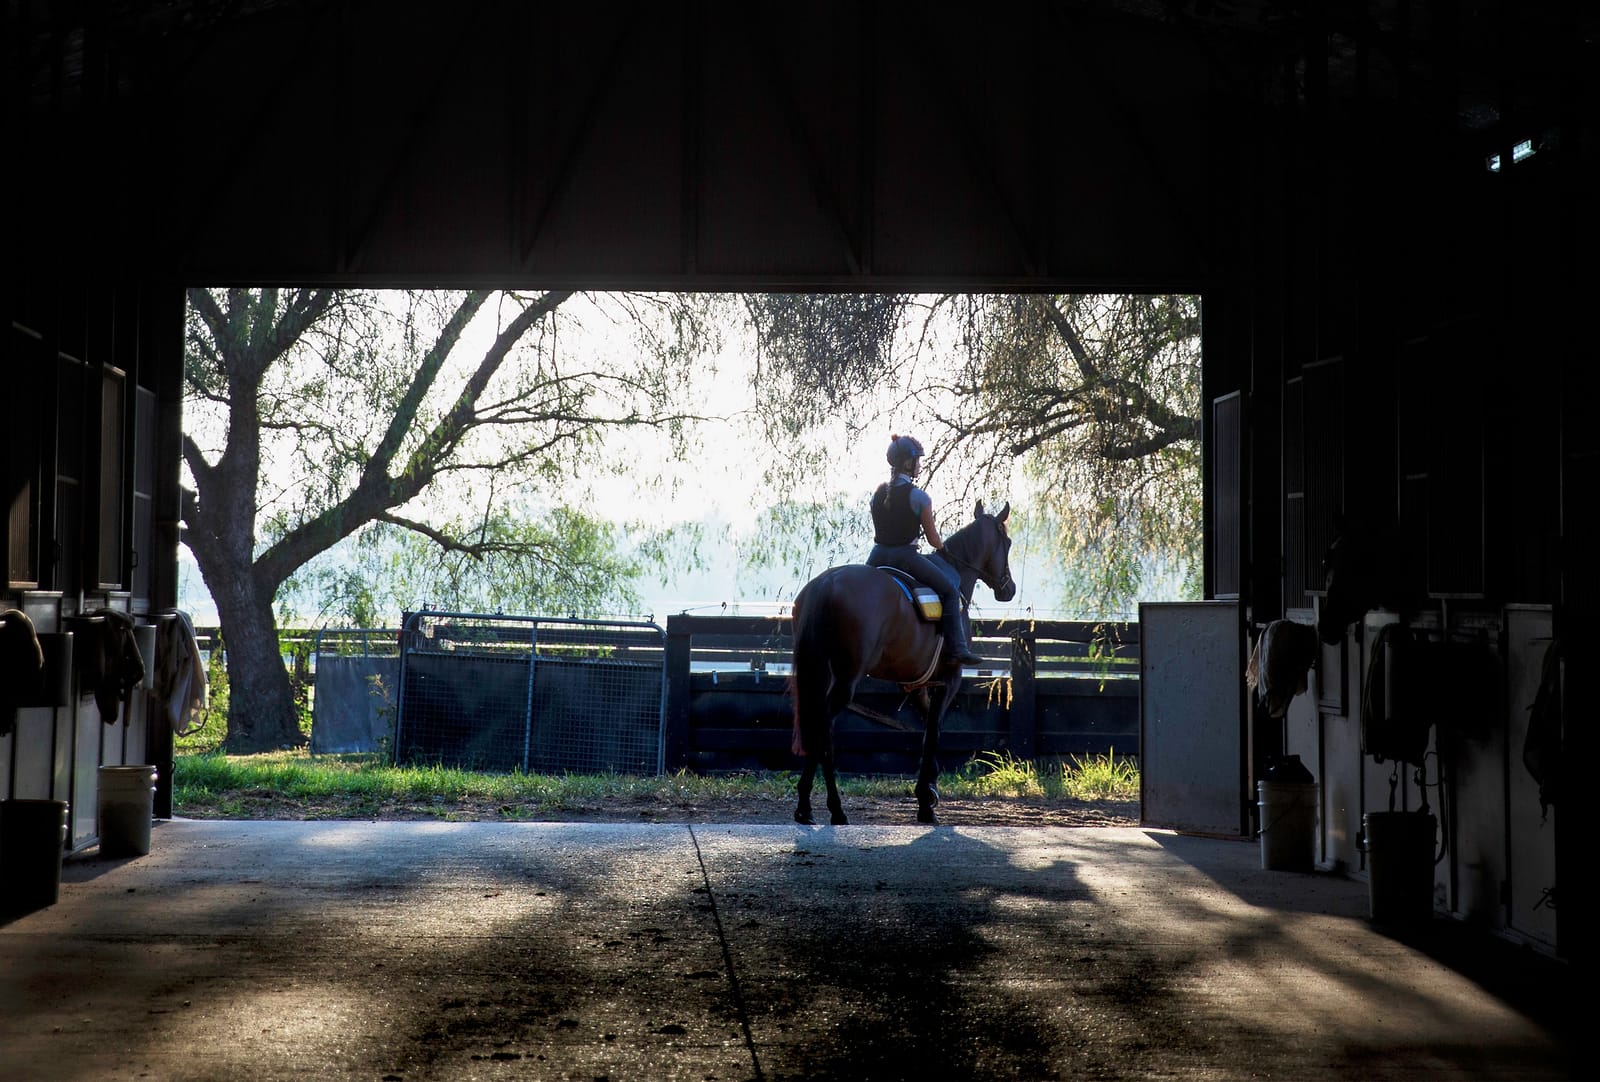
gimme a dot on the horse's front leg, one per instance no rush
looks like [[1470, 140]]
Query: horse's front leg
[[802, 808], [927, 792]]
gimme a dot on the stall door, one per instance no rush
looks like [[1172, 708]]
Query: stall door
[[1191, 717]]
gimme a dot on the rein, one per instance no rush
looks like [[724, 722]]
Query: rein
[[960, 561]]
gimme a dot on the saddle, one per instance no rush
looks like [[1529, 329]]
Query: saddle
[[925, 599]]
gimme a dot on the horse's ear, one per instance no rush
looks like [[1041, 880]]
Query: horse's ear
[[1004, 511], [979, 512]]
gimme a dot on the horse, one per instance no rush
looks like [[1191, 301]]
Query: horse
[[852, 621], [1364, 568]]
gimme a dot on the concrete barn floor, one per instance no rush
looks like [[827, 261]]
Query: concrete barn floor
[[409, 951]]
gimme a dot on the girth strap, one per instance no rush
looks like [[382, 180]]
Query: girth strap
[[933, 665]]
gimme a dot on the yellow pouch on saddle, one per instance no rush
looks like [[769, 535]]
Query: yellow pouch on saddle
[[926, 599]]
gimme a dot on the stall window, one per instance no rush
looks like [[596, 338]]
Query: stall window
[[113, 387]]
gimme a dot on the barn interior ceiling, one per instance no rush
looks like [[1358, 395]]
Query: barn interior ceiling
[[136, 48], [705, 144]]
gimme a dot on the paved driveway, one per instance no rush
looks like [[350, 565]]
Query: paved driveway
[[408, 951]]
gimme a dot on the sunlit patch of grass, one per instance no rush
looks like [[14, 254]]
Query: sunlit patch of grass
[[999, 774], [216, 785], [996, 774], [1101, 777], [361, 782]]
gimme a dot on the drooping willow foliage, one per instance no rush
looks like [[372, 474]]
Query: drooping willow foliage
[[1090, 402]]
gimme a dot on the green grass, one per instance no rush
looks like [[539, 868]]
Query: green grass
[[230, 786], [1095, 777]]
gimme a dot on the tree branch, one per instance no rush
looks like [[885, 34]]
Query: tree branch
[[435, 446], [196, 461], [1069, 335], [446, 541], [378, 492], [405, 412]]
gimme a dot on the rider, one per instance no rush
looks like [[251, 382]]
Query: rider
[[901, 513]]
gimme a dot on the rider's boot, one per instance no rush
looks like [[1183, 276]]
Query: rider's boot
[[955, 637]]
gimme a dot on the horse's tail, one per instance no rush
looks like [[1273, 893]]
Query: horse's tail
[[797, 743], [809, 671]]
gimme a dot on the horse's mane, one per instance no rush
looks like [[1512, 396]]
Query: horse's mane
[[967, 532]]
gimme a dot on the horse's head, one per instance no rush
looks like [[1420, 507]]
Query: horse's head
[[994, 560], [1362, 570]]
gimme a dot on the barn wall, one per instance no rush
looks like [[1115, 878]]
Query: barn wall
[[91, 521], [1433, 282]]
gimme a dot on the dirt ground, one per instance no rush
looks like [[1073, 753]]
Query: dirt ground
[[866, 810], [752, 809]]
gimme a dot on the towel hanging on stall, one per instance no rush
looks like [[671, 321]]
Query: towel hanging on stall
[[114, 665], [179, 681], [21, 665]]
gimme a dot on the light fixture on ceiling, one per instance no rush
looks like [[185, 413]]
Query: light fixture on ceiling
[[1521, 152]]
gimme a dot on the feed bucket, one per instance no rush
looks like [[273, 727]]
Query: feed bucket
[[1399, 847], [127, 804], [1288, 817], [33, 837]]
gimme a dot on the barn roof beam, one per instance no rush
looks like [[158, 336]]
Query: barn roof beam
[[692, 164], [353, 248], [246, 136], [867, 175], [582, 127], [936, 66], [778, 82], [1132, 125]]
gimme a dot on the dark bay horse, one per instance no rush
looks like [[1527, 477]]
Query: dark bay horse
[[853, 621], [1365, 568]]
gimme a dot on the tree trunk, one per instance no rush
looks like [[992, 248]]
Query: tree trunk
[[261, 710]]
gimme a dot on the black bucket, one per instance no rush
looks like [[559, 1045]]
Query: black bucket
[[33, 837], [1400, 865]]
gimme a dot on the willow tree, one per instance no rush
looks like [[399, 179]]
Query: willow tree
[[1093, 399], [512, 556], [314, 413]]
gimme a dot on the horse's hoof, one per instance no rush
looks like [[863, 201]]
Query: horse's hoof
[[804, 819], [839, 819], [925, 815]]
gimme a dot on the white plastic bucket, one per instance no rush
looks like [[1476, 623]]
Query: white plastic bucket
[[127, 805], [1399, 848], [1288, 818]]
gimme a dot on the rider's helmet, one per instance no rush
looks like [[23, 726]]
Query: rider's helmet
[[903, 451]]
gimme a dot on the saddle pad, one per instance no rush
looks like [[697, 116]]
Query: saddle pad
[[925, 599]]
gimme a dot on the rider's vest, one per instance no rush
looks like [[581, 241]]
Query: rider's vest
[[893, 520]]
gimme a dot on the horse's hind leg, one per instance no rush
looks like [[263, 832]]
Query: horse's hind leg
[[808, 773], [839, 697], [927, 792], [811, 681], [802, 808]]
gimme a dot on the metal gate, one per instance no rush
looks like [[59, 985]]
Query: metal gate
[[537, 694], [355, 674]]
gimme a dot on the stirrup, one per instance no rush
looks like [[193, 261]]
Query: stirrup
[[965, 655]]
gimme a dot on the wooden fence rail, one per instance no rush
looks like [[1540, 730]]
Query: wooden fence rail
[[1048, 690], [1052, 689]]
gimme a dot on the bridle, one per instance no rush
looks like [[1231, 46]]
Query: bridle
[[962, 561]]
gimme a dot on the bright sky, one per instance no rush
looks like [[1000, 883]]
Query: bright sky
[[721, 485]]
